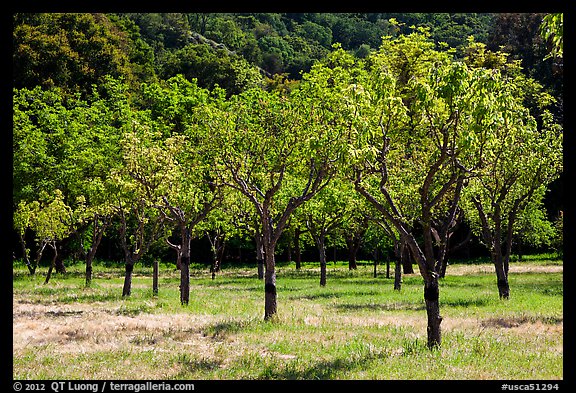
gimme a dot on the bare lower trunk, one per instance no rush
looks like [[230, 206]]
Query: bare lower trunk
[[442, 260], [52, 264], [387, 267], [493, 236], [185, 280], [398, 250], [218, 245], [406, 260], [48, 275], [31, 269], [260, 269], [178, 260], [216, 265], [88, 274], [270, 297], [38, 257], [259, 256], [431, 297], [427, 267], [59, 265], [185, 266], [100, 225], [501, 276], [322, 251], [319, 236], [297, 248], [155, 278], [89, 260], [127, 288], [352, 252], [443, 267], [397, 275]]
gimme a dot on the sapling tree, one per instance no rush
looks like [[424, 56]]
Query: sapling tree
[[23, 219], [53, 222], [219, 226], [137, 183]]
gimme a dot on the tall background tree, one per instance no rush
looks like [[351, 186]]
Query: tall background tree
[[70, 50]]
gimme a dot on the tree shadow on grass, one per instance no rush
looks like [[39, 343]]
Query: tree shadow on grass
[[220, 330], [191, 365], [390, 306], [466, 302], [91, 298], [335, 295], [549, 286], [516, 321], [320, 370], [328, 295]]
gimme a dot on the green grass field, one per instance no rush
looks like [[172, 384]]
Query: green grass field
[[357, 327]]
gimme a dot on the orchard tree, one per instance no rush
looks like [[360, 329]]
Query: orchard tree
[[171, 184], [23, 218], [182, 160], [278, 152], [324, 213], [522, 155], [220, 226], [423, 124], [137, 182], [92, 154], [519, 163], [52, 221]]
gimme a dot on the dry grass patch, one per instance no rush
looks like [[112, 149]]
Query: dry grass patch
[[83, 328], [516, 267]]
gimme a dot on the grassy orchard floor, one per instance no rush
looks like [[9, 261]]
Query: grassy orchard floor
[[357, 327]]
